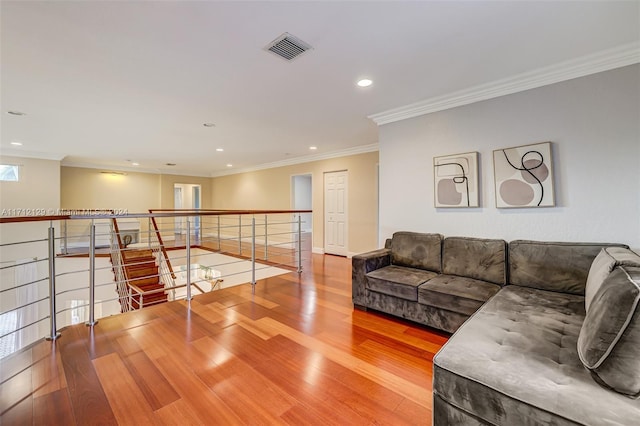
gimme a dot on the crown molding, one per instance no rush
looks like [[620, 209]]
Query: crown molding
[[627, 54], [362, 149], [299, 160], [31, 154], [129, 169]]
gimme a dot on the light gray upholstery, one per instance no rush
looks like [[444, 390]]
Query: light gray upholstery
[[515, 362], [552, 266], [398, 281], [458, 294], [609, 342], [417, 250], [482, 259]]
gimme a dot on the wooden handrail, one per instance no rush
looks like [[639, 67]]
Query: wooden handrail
[[176, 213]]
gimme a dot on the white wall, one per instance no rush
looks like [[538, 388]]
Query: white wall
[[594, 124]]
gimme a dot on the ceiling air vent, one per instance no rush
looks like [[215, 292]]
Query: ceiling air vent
[[288, 46]]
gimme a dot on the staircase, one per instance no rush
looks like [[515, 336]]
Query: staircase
[[142, 275]]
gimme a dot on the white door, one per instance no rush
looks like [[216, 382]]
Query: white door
[[335, 213]]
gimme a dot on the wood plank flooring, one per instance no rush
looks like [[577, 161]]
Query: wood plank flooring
[[295, 352]]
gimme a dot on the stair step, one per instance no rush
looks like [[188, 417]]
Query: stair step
[[136, 253], [141, 272], [144, 281], [140, 261]]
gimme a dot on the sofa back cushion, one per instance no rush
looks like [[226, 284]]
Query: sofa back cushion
[[610, 334], [552, 266], [417, 250], [477, 258], [603, 264]]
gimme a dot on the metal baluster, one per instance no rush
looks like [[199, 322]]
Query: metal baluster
[[92, 275], [253, 255], [189, 261], [266, 257], [240, 234], [66, 236], [218, 232], [52, 284], [299, 243]]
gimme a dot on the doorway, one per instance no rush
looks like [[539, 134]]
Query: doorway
[[186, 196], [335, 212], [301, 199]]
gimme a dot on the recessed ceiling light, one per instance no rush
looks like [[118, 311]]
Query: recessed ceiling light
[[365, 82], [219, 149], [170, 164], [229, 165], [16, 143], [16, 113], [313, 148], [135, 164], [209, 125]]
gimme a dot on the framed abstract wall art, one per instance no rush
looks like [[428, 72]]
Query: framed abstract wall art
[[456, 180], [524, 176]]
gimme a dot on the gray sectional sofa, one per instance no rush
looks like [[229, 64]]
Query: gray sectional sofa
[[556, 343]]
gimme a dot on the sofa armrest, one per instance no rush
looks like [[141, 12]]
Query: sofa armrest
[[361, 265]]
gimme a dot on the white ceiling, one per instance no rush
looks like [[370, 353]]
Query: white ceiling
[[106, 82]]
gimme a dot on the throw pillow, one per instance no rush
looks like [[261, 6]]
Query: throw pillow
[[603, 264], [610, 335]]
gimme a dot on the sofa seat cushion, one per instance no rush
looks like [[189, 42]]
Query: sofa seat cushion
[[398, 281], [515, 362], [458, 294]]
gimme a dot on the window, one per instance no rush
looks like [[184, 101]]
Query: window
[[9, 173], [8, 325]]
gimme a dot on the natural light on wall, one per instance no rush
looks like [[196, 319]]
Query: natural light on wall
[[9, 173]]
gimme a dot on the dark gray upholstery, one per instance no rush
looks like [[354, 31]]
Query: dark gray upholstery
[[482, 259], [459, 294], [609, 342], [362, 264], [389, 279], [439, 318], [516, 363], [388, 304], [552, 266], [398, 281], [417, 250]]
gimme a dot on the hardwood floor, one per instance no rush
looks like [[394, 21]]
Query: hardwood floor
[[295, 352]]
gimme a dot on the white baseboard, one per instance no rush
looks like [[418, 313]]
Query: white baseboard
[[317, 250]]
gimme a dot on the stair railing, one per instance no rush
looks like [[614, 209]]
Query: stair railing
[[165, 271], [120, 272]]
